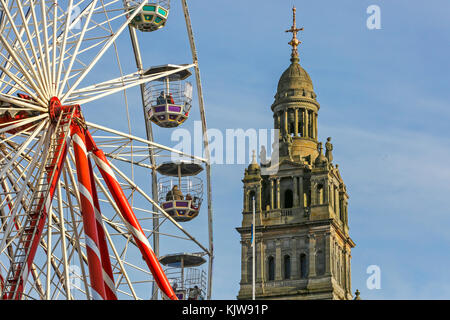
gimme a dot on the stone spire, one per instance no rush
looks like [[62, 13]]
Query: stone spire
[[253, 168], [321, 160]]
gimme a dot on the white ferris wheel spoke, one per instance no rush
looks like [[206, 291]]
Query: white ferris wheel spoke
[[102, 51], [19, 123], [14, 210], [59, 87], [25, 59], [144, 141], [42, 77], [22, 148], [107, 88]]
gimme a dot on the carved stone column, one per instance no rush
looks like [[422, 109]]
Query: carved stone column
[[296, 122], [302, 204], [258, 202], [271, 194], [278, 193], [328, 253], [316, 134], [306, 123], [295, 191], [286, 124]]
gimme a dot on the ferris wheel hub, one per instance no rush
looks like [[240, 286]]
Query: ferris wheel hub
[[55, 109]]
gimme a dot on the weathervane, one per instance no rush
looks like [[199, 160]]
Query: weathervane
[[294, 42]]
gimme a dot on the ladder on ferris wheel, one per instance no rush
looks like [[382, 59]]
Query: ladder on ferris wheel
[[38, 206]]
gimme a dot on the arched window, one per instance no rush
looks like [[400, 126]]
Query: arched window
[[250, 268], [288, 199], [271, 268], [303, 266], [251, 196], [336, 202], [320, 194], [287, 267]]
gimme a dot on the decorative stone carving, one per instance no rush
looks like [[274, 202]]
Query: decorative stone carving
[[329, 149]]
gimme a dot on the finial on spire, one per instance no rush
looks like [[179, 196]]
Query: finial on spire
[[294, 42], [254, 158]]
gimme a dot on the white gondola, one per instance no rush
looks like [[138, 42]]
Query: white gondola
[[180, 192], [186, 277], [168, 100]]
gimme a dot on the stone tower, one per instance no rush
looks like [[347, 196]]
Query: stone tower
[[303, 247]]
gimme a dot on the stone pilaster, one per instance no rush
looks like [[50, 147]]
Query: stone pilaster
[[316, 134], [278, 193], [312, 255], [286, 124], [278, 262], [328, 254], [244, 271], [306, 123], [301, 181], [296, 202], [271, 194], [295, 263]]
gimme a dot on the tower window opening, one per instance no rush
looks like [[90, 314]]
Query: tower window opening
[[303, 270], [291, 128], [288, 199], [287, 267], [271, 269], [251, 197], [250, 268], [320, 194]]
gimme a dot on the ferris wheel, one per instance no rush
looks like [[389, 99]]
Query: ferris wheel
[[80, 200]]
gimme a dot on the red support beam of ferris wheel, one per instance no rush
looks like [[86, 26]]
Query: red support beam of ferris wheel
[[128, 214], [2, 284], [108, 276], [88, 213]]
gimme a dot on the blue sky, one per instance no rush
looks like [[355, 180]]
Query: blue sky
[[384, 101]]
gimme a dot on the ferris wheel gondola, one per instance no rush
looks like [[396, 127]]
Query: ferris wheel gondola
[[168, 99], [151, 17], [181, 192]]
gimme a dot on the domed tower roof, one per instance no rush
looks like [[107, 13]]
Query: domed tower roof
[[253, 168], [294, 78], [295, 83]]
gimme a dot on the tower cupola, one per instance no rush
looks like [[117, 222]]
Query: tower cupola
[[295, 108]]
